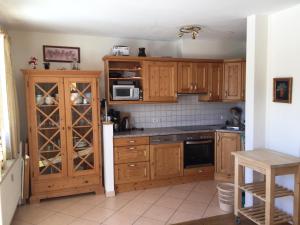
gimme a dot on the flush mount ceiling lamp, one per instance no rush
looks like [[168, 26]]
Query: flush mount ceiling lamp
[[189, 29]]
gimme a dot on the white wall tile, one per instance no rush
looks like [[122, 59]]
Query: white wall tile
[[188, 111]]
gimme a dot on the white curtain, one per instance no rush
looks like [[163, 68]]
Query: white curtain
[[10, 106]]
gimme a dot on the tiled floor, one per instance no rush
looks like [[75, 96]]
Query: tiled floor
[[166, 205]]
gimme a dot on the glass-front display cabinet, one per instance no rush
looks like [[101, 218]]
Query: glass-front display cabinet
[[64, 136]]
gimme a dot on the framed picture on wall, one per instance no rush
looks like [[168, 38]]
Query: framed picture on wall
[[282, 89], [61, 54]]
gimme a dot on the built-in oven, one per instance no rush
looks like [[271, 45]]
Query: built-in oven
[[199, 151], [198, 147]]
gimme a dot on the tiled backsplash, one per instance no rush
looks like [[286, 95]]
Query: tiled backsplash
[[188, 111]]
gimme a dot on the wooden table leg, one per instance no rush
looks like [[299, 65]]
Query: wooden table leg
[[296, 198], [238, 180], [270, 196]]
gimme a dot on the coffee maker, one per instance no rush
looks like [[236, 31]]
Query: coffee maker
[[115, 118]]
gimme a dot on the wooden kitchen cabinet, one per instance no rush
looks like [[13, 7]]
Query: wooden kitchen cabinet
[[233, 81], [63, 132], [192, 77], [131, 160], [166, 160], [160, 81], [215, 83], [132, 172], [226, 143]]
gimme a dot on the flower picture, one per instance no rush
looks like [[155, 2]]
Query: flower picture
[[61, 54], [282, 90]]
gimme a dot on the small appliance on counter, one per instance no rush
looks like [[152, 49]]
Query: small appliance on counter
[[235, 122], [125, 124], [116, 119]]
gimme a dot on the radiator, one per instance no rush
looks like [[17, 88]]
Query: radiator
[[10, 191]]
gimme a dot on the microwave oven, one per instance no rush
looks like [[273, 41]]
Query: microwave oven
[[125, 92]]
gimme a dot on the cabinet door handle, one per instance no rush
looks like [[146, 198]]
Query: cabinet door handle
[[145, 172], [132, 141], [200, 171], [132, 148], [145, 153], [131, 165], [195, 87], [210, 94]]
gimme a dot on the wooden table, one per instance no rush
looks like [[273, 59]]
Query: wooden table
[[270, 164]]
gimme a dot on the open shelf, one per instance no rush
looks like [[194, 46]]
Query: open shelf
[[259, 190], [125, 69], [257, 215], [125, 78]]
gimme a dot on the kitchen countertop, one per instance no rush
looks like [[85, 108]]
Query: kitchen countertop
[[173, 130]]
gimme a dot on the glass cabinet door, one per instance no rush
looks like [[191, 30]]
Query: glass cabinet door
[[47, 126], [82, 125]]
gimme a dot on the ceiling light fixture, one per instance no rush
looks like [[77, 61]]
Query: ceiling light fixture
[[193, 29]]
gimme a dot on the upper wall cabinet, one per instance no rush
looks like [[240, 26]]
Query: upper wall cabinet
[[233, 81], [192, 77], [160, 81], [215, 82]]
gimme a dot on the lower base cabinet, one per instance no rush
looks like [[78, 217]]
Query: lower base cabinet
[[226, 143], [132, 172], [166, 160]]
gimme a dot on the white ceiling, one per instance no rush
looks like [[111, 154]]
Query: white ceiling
[[144, 19]]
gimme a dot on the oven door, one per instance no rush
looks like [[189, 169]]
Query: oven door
[[198, 153]]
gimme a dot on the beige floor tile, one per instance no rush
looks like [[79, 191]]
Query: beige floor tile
[[193, 207], [92, 199], [215, 200], [32, 214], [159, 213], [77, 209], [203, 197], [185, 187], [83, 222], [177, 193], [169, 202], [97, 214], [148, 221], [130, 195], [157, 191], [18, 222], [148, 197], [114, 203], [179, 217], [213, 211], [121, 218], [57, 219], [136, 207], [206, 186], [59, 203]]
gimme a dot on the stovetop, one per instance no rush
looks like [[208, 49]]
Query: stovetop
[[198, 127]]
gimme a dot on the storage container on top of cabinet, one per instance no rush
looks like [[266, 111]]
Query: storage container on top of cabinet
[[63, 132]]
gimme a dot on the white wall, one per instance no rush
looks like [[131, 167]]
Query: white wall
[[282, 133], [212, 48], [92, 49], [279, 34]]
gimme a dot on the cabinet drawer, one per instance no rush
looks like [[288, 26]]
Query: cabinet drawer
[[131, 141], [129, 154], [64, 183], [131, 172]]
